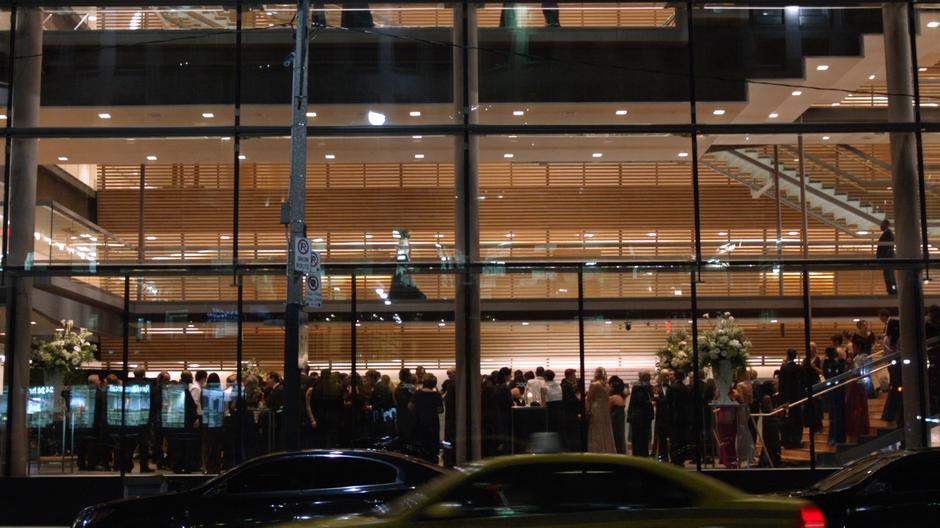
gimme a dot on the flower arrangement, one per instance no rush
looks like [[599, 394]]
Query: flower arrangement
[[677, 354], [252, 367], [66, 352], [724, 340]]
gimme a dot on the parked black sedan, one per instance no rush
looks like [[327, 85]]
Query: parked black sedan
[[895, 489], [274, 488]]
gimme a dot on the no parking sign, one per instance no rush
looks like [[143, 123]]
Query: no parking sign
[[314, 291]]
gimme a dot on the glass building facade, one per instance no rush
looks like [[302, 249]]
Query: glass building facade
[[522, 185]]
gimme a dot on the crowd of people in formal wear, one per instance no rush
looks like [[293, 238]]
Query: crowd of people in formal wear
[[415, 413]]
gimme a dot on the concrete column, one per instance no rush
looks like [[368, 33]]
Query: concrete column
[[899, 75], [23, 164], [467, 235]]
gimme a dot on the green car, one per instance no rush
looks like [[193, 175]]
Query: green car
[[562, 490]]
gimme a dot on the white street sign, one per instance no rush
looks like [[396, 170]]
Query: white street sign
[[314, 291], [302, 255]]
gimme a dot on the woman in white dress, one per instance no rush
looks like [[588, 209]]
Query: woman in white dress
[[600, 431]]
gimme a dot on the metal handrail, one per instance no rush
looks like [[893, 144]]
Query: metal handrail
[[838, 382]]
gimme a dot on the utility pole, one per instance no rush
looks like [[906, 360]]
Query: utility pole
[[295, 319]]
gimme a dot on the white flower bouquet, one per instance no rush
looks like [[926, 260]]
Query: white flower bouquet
[[677, 354], [724, 340], [66, 352]]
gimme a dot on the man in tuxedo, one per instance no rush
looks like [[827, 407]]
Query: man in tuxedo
[[571, 411], [885, 250], [791, 390], [680, 414], [640, 415], [663, 421]]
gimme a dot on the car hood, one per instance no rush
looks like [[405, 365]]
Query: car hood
[[142, 504]]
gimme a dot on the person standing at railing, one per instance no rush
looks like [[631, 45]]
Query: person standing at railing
[[791, 390], [885, 250], [835, 399], [863, 342], [812, 370]]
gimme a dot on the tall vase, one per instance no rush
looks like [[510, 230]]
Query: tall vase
[[723, 379], [55, 378]]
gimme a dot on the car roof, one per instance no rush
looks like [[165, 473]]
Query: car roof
[[698, 481]]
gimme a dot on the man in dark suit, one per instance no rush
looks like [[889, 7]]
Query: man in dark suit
[[680, 414], [503, 412], [640, 415], [791, 390], [663, 421], [571, 411], [885, 250]]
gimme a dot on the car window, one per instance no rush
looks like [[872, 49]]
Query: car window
[[852, 474], [912, 473], [287, 474], [311, 472], [345, 471], [565, 488]]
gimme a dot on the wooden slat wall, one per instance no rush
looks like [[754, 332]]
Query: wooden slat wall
[[387, 346]]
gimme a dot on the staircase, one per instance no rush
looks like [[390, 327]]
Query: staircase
[[827, 455], [827, 204]]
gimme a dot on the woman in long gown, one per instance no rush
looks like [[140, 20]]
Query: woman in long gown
[[856, 404], [618, 406], [832, 367], [600, 432]]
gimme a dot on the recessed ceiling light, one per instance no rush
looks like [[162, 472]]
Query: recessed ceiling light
[[825, 138], [796, 93], [419, 156], [150, 237], [718, 111], [311, 114], [2, 117], [863, 233], [509, 155], [836, 104], [151, 158], [104, 115], [621, 112], [773, 320], [525, 323], [376, 118], [773, 115], [871, 77], [722, 233], [242, 157], [822, 67], [597, 155], [416, 137], [330, 156], [683, 154], [921, 69], [414, 113], [651, 234], [793, 233], [933, 24], [224, 237], [92, 18], [63, 158], [208, 115], [518, 112]]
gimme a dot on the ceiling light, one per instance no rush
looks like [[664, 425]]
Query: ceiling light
[[330, 156], [508, 155], [32, 322], [608, 322], [104, 115], [793, 9], [718, 111], [63, 158], [773, 320], [92, 18], [151, 158], [416, 137], [525, 323], [224, 237], [597, 155], [822, 67], [793, 233], [242, 157], [151, 237], [773, 115], [921, 69], [683, 154], [311, 114], [836, 104], [871, 77], [518, 112], [863, 233], [208, 115], [933, 24], [414, 113], [3, 116], [375, 118], [825, 138], [722, 233], [796, 93], [621, 112], [651, 234], [419, 156]]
